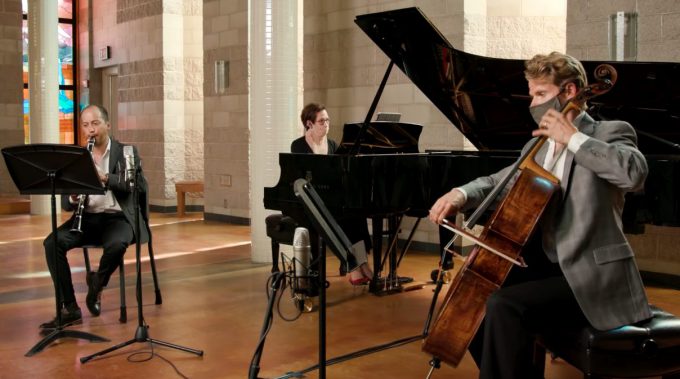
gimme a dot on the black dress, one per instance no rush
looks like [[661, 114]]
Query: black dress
[[300, 146], [355, 228]]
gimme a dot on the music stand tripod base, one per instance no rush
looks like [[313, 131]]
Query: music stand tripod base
[[50, 169], [63, 333]]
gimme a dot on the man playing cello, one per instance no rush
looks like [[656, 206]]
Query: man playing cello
[[580, 269]]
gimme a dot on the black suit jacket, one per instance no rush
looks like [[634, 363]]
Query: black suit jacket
[[122, 192]]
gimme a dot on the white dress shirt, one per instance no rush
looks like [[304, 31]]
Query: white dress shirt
[[105, 203]]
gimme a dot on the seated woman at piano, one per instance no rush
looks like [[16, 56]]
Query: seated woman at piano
[[316, 122]]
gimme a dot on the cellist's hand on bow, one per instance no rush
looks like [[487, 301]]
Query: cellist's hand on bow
[[557, 126], [447, 205]]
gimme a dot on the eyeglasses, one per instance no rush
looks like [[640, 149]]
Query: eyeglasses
[[324, 121]]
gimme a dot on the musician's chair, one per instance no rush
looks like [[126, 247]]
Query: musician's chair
[[648, 348], [121, 274]]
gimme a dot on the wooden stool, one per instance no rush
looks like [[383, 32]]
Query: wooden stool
[[182, 188], [647, 348]]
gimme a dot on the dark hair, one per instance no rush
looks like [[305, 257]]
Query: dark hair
[[309, 113], [102, 111]]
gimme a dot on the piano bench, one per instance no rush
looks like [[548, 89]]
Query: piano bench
[[648, 348], [280, 229]]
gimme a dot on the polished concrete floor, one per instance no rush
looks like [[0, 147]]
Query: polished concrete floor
[[214, 299]]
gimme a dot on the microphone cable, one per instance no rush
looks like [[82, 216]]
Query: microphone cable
[[152, 353], [291, 277], [274, 282]]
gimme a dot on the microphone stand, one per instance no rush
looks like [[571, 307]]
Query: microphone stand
[[142, 332], [333, 234]]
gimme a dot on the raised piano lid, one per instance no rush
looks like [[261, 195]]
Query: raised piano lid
[[486, 98], [381, 137]]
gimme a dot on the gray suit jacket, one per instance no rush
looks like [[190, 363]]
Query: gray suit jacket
[[121, 191], [582, 229]]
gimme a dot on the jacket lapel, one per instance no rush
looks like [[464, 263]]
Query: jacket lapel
[[566, 174], [113, 156], [540, 155], [586, 126]]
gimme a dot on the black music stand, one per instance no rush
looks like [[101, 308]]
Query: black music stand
[[328, 228], [43, 169], [142, 332], [332, 233]]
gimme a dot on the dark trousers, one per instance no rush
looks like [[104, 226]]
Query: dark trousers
[[532, 299], [111, 230]]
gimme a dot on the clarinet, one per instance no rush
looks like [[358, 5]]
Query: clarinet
[[81, 199]]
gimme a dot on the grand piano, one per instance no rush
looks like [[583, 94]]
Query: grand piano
[[486, 99]]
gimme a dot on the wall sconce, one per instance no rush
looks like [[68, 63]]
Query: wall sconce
[[221, 77], [623, 36]]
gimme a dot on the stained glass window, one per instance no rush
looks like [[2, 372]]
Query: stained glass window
[[66, 74]]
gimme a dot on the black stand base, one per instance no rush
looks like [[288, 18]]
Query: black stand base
[[63, 333], [141, 335], [142, 332]]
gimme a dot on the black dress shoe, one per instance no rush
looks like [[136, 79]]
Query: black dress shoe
[[94, 293], [69, 316]]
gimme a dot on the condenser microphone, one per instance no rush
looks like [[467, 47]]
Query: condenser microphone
[[301, 256], [129, 154]]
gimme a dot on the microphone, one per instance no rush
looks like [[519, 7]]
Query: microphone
[[301, 256], [129, 154]]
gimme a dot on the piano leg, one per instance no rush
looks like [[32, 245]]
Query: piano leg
[[377, 223], [391, 283]]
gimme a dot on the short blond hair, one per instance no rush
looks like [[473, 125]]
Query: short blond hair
[[559, 68]]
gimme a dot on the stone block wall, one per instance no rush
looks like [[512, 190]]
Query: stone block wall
[[521, 29], [658, 40], [658, 28], [11, 84], [226, 137], [157, 46]]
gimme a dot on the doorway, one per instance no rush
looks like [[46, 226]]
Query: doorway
[[110, 95]]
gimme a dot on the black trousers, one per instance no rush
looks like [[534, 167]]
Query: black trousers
[[532, 299], [111, 230]]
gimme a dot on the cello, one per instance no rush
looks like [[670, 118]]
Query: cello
[[501, 241]]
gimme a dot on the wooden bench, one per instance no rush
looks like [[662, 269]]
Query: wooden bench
[[648, 348], [182, 188]]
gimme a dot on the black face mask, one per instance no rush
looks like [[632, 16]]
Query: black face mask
[[539, 110]]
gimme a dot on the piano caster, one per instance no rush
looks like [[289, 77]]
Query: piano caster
[[434, 275]]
